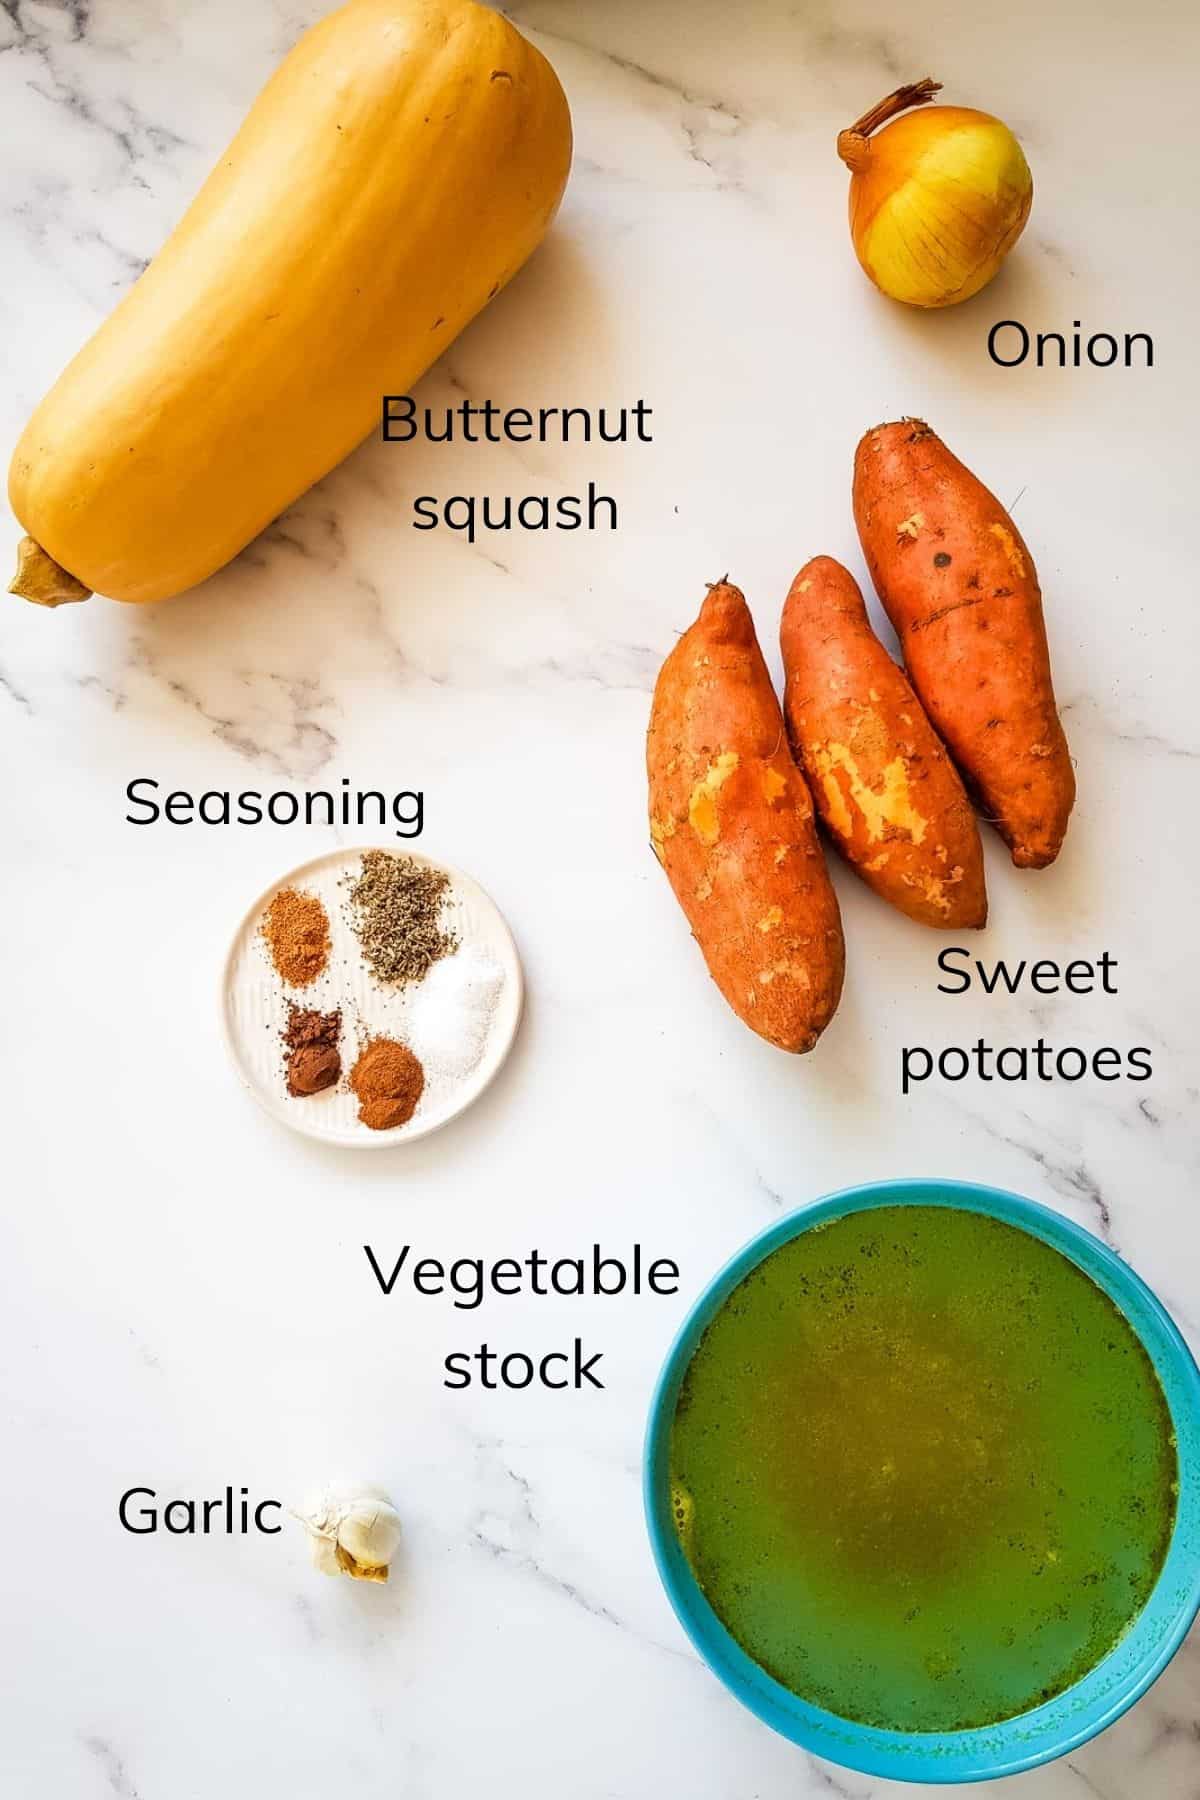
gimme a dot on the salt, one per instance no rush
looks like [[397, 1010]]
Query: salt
[[452, 1012]]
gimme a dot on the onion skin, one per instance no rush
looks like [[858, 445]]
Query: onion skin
[[937, 200]]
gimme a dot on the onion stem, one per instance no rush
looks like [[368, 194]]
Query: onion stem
[[916, 93]]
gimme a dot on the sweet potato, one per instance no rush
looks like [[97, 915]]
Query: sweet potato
[[731, 821], [958, 583], [885, 790]]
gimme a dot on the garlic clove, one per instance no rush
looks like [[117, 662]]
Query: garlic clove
[[346, 1565], [324, 1553], [353, 1530], [369, 1533]]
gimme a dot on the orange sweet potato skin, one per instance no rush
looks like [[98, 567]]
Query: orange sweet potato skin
[[731, 821], [958, 583], [886, 791]]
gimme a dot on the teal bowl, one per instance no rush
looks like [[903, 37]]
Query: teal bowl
[[1075, 1715]]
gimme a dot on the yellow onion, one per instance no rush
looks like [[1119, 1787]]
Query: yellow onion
[[937, 200]]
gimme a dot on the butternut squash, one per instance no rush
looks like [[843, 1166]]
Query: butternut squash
[[397, 169]]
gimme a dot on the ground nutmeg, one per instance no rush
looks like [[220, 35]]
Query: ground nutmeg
[[296, 932]]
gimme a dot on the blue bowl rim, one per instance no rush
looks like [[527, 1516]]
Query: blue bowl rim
[[979, 1754]]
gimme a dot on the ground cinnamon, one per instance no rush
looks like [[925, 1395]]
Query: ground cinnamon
[[313, 1060], [296, 932], [388, 1082]]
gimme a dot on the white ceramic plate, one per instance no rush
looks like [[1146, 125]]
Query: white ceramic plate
[[254, 1005]]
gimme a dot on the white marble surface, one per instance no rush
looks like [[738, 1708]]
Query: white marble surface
[[186, 1299]]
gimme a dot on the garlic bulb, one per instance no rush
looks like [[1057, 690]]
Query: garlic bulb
[[353, 1530], [937, 200]]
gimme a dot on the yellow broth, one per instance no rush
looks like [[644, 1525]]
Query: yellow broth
[[923, 1469]]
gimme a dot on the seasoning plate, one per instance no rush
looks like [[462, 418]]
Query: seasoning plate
[[254, 1004]]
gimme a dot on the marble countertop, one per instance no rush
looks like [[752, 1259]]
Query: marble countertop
[[186, 1299]]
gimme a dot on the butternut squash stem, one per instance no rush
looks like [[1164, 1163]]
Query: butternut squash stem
[[40, 579]]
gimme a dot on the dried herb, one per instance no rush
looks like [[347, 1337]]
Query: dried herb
[[395, 910]]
